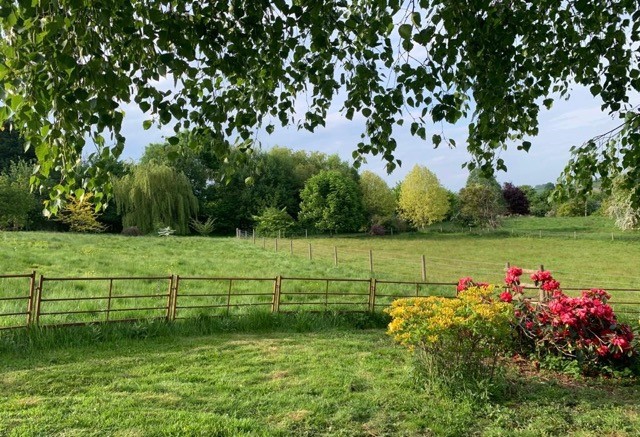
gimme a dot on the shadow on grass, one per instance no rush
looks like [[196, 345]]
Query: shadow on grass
[[27, 341]]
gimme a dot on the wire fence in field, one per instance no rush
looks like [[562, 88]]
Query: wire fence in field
[[392, 264], [61, 301]]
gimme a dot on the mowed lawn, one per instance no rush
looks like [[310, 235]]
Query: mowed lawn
[[334, 382]]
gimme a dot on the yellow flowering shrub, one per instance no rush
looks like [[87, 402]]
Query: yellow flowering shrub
[[454, 336]]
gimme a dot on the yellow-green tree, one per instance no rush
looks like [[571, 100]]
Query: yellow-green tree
[[422, 199], [378, 199]]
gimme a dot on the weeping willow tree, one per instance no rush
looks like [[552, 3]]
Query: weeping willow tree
[[154, 196]]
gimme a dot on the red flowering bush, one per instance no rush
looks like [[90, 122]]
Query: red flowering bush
[[582, 328]]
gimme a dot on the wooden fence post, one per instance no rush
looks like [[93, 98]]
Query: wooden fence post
[[276, 244], [335, 256], [169, 297], [371, 261], [176, 285], [38, 300], [229, 296], [264, 243], [306, 234], [30, 303], [291, 247], [310, 254], [275, 303], [111, 295], [542, 294], [372, 294], [253, 231], [424, 268]]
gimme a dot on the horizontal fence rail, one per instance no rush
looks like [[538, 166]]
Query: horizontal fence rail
[[26, 300]]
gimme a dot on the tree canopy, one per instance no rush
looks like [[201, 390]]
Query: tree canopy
[[332, 201], [154, 196], [423, 200], [68, 67]]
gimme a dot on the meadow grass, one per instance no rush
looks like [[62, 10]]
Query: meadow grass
[[274, 375], [585, 259]]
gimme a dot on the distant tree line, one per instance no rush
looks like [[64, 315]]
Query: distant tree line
[[188, 188]]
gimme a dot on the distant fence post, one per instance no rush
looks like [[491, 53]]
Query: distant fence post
[[253, 237], [335, 256], [264, 243], [291, 247], [310, 253], [276, 244], [371, 261], [424, 269], [372, 294], [275, 302]]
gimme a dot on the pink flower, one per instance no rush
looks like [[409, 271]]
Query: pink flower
[[550, 285], [506, 297], [464, 283]]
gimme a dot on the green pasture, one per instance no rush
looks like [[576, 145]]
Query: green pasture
[[579, 252], [302, 379]]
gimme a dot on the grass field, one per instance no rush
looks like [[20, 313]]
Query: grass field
[[299, 374], [304, 380], [579, 251]]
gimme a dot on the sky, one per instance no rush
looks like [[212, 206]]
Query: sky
[[568, 123]]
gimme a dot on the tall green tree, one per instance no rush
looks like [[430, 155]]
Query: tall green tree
[[332, 202], [423, 200], [154, 196], [68, 67], [379, 200]]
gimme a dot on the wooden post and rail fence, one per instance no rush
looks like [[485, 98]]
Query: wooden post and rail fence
[[28, 300]]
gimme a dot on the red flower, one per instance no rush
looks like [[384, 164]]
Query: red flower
[[464, 283], [550, 285], [514, 271], [506, 297]]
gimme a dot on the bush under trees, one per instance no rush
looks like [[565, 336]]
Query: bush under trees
[[458, 341], [272, 221], [80, 214]]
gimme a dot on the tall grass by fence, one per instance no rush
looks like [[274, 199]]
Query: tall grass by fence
[[55, 301]]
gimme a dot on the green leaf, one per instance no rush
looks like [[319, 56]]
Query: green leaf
[[404, 31], [146, 125]]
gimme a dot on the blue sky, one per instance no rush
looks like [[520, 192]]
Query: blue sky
[[568, 122]]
